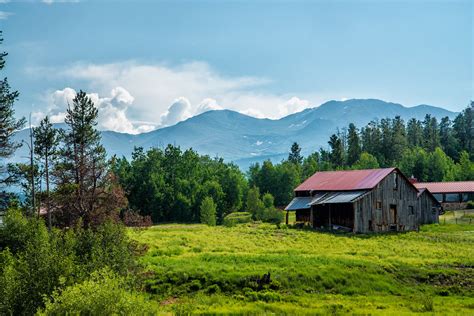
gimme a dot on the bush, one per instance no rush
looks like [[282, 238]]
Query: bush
[[237, 218], [273, 216], [133, 219], [104, 293], [208, 211], [35, 262], [470, 205]]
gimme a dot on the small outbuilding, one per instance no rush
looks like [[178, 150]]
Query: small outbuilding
[[451, 195], [363, 201]]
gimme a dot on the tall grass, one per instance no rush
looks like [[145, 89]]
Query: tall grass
[[219, 269]]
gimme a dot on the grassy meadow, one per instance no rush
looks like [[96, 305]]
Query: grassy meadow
[[201, 269]]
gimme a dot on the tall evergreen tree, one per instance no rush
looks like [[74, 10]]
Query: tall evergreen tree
[[295, 154], [337, 150], [46, 142], [353, 145], [463, 129], [414, 133], [430, 133], [83, 161], [399, 139], [8, 124], [447, 140]]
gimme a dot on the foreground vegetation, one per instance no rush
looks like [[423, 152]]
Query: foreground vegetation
[[201, 269]]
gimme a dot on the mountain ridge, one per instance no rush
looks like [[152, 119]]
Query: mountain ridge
[[244, 139]]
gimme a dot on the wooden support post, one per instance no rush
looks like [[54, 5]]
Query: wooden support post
[[287, 215], [311, 217], [330, 222]]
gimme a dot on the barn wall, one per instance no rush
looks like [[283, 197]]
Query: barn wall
[[428, 209], [367, 218]]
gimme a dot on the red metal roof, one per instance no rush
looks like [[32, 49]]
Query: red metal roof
[[446, 187], [345, 180]]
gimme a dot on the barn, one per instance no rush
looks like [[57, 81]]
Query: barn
[[452, 195], [363, 201]]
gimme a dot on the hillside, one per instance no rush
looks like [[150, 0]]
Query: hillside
[[201, 269], [244, 139]]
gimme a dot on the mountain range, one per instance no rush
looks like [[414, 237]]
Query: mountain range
[[244, 139]]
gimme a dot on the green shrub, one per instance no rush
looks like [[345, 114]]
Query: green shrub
[[237, 218], [470, 205], [104, 293], [208, 211], [35, 262]]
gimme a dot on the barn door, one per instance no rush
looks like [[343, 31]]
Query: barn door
[[393, 214]]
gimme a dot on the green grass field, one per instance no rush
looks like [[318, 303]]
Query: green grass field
[[200, 269]]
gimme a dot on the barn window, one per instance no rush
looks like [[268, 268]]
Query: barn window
[[411, 210], [378, 205], [452, 197]]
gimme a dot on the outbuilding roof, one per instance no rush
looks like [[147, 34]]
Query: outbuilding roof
[[345, 180], [446, 187]]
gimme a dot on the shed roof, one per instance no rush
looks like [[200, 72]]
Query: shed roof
[[446, 187], [305, 202], [346, 180]]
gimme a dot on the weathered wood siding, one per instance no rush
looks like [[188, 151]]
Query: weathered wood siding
[[429, 211], [368, 217]]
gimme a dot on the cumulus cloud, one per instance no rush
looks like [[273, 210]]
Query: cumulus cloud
[[112, 110], [166, 94], [208, 104], [178, 111], [293, 105]]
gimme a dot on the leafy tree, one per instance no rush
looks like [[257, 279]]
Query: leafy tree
[[254, 205], [268, 200], [46, 142], [208, 212], [8, 124], [440, 166], [465, 168], [354, 148], [310, 165], [295, 154], [366, 161]]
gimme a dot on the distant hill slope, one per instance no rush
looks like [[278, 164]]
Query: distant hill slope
[[244, 139]]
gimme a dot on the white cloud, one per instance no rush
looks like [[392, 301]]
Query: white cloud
[[164, 94], [4, 15], [293, 105], [208, 104], [112, 110], [178, 111]]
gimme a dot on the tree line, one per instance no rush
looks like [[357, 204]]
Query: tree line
[[426, 150]]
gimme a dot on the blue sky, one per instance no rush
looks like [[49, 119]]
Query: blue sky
[[150, 64]]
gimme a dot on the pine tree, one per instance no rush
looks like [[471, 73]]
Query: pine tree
[[83, 165], [46, 142], [430, 133], [414, 133], [337, 151], [447, 140], [463, 129], [295, 154], [353, 141], [8, 124]]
